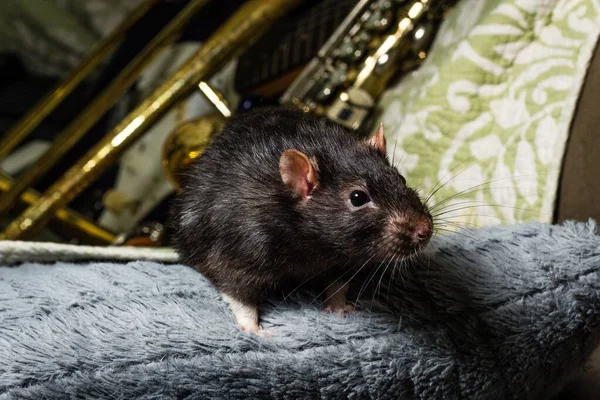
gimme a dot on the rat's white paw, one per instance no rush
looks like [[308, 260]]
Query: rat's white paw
[[245, 315], [257, 330], [251, 327]]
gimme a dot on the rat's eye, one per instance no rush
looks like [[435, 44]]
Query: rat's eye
[[359, 198], [403, 179]]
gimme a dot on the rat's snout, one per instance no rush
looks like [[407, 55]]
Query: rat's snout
[[411, 231], [421, 230]]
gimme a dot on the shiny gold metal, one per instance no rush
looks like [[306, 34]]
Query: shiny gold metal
[[109, 96], [187, 142], [49, 102], [377, 41], [378, 68], [191, 138], [216, 98], [238, 32], [67, 221]]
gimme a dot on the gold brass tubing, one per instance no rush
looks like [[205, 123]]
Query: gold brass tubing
[[70, 219], [109, 96], [236, 34], [216, 98], [49, 102], [389, 52]]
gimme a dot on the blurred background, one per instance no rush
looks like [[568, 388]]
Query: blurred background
[[103, 103]]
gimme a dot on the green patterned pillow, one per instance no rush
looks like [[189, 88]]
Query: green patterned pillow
[[487, 116]]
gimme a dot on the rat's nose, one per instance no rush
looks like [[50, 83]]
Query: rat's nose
[[421, 231], [412, 230]]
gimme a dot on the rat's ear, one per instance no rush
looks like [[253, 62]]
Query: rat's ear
[[298, 172], [377, 141]]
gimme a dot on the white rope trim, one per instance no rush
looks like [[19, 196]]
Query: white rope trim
[[12, 252]]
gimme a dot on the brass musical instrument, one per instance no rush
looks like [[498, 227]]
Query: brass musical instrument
[[100, 105], [248, 22], [378, 40], [67, 221], [187, 142], [190, 139]]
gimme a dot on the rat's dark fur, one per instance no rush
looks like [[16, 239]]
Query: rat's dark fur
[[247, 232]]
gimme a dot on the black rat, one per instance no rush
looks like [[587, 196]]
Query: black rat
[[281, 196]]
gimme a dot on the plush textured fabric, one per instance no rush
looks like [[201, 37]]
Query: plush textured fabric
[[496, 313]]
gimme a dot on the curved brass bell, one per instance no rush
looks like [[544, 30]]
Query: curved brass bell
[[187, 142], [191, 138]]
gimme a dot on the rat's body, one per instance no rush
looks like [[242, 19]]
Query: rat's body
[[269, 202]]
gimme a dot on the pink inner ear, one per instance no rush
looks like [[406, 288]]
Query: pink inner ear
[[378, 140], [297, 172], [307, 188], [301, 185]]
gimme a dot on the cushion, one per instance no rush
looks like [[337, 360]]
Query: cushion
[[495, 313], [492, 106]]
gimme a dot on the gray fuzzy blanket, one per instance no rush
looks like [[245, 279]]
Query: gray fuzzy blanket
[[502, 313]]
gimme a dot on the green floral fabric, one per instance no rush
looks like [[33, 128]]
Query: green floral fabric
[[487, 115]]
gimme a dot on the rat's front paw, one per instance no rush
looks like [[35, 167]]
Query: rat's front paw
[[257, 330], [251, 327], [263, 333], [336, 299], [342, 310]]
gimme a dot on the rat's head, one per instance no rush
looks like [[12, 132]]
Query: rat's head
[[354, 201]]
